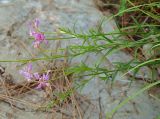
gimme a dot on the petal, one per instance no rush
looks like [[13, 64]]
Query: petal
[[36, 75], [21, 71], [31, 32], [45, 77], [36, 23], [36, 44], [43, 36], [43, 84], [39, 36], [39, 86], [27, 75], [29, 67]]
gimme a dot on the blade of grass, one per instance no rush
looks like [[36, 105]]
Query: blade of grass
[[122, 7], [109, 115]]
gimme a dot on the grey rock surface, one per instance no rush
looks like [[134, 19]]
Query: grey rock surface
[[14, 45]]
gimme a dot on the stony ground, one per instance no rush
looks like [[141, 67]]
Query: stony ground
[[14, 45]]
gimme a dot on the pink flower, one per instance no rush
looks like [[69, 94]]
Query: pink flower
[[42, 80], [42, 84], [38, 36], [26, 72]]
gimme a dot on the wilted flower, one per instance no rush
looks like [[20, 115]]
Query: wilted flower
[[26, 72], [38, 36]]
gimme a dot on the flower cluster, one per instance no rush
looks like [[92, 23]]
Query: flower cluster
[[34, 32], [42, 79], [39, 38]]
